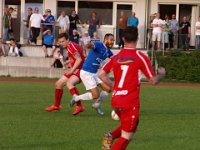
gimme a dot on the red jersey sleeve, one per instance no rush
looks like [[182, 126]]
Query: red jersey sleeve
[[145, 65], [73, 49], [108, 66]]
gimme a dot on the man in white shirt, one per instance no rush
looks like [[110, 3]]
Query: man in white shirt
[[35, 25], [198, 33], [157, 30], [63, 21]]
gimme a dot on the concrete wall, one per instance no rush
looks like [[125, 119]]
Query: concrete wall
[[28, 67], [1, 17]]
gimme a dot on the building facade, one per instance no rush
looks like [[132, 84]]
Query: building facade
[[107, 10]]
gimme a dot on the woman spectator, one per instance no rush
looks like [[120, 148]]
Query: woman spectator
[[74, 19], [168, 34], [64, 22]]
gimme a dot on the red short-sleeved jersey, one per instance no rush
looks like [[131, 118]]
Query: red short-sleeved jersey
[[126, 66], [72, 50]]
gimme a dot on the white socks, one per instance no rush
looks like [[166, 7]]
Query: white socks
[[103, 94], [86, 96]]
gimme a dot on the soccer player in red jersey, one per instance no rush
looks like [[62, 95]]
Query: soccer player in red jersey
[[71, 76], [126, 66]]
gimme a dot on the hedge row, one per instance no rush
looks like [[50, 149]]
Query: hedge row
[[181, 65]]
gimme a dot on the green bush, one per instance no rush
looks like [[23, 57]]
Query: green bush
[[181, 65]]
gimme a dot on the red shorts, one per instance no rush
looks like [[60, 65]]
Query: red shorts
[[76, 73], [129, 118]]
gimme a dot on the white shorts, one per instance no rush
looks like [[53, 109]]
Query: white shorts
[[156, 36], [90, 80]]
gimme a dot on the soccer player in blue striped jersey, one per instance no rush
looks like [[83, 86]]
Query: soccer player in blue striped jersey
[[98, 54]]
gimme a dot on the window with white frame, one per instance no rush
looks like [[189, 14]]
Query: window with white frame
[[103, 9]]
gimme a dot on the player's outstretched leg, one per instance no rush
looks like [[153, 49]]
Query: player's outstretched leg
[[97, 104], [58, 94]]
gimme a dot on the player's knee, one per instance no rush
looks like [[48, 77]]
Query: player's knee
[[59, 84], [127, 135], [69, 85]]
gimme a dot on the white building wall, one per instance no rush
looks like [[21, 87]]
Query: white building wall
[[1, 17], [141, 11], [51, 4]]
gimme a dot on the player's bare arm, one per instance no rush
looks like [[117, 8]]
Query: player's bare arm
[[161, 74], [76, 64], [104, 77]]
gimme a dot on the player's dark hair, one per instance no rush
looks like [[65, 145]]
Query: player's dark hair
[[65, 35], [108, 35], [131, 34]]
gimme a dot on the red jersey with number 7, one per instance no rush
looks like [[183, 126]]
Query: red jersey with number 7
[[126, 66]]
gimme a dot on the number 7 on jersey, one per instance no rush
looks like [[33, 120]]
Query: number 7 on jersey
[[124, 69]]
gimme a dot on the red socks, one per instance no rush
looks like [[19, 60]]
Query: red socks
[[116, 133], [58, 96], [75, 91], [120, 144]]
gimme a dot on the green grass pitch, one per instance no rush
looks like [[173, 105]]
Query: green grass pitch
[[169, 119]]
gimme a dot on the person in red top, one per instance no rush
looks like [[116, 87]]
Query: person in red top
[[126, 66], [72, 74]]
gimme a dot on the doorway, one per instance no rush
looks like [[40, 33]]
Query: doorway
[[127, 8], [166, 10], [16, 16]]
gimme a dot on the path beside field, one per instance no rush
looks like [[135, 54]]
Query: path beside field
[[3, 79]]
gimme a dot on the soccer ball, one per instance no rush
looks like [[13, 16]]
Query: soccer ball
[[114, 115]]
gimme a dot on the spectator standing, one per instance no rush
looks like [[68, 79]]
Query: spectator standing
[[29, 33], [75, 36], [157, 25], [122, 24], [93, 23], [49, 42], [35, 25], [175, 27], [133, 21], [49, 21], [74, 19], [64, 22], [43, 21], [168, 34], [198, 33], [6, 24], [85, 41], [185, 30]]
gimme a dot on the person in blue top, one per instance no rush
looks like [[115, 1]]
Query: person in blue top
[[168, 34], [98, 55], [49, 21], [133, 21], [48, 42]]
